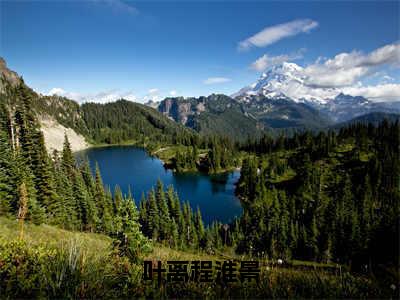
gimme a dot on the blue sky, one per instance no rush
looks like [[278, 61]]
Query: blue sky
[[152, 49]]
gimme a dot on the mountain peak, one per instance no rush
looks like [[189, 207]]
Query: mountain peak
[[273, 83], [290, 66], [9, 75]]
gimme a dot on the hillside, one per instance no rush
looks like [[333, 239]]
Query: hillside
[[54, 263], [90, 123], [215, 114], [284, 114], [372, 118], [239, 119], [286, 185], [124, 120]]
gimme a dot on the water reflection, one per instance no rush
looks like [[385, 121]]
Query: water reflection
[[131, 166]]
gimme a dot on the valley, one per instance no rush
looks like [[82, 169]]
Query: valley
[[258, 177], [199, 149]]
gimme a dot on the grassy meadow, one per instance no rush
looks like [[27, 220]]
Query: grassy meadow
[[50, 262]]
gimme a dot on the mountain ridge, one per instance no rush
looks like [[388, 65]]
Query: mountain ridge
[[89, 123], [288, 81]]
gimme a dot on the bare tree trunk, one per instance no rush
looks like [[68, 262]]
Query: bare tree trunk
[[10, 119]]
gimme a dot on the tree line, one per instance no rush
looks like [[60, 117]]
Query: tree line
[[53, 188], [331, 197], [165, 219], [59, 191]]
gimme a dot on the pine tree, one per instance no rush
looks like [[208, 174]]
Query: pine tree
[[87, 177], [7, 177], [164, 219], [200, 228], [27, 125], [68, 160], [134, 242], [84, 206], [65, 210], [103, 204], [153, 216], [171, 202], [117, 198], [143, 220], [312, 244], [42, 169], [174, 239]]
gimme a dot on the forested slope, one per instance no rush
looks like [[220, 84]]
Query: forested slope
[[326, 197]]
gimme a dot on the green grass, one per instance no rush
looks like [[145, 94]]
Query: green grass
[[50, 236], [54, 263], [167, 153], [344, 148], [288, 175]]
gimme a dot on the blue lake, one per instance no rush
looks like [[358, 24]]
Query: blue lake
[[129, 166]]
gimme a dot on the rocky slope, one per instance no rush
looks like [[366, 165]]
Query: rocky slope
[[58, 117], [215, 114], [242, 117], [54, 132], [90, 123]]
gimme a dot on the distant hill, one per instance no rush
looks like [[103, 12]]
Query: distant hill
[[249, 114], [281, 113], [221, 114], [124, 120], [89, 123], [373, 118], [345, 107], [215, 114]]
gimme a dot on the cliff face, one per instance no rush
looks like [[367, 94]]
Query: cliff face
[[178, 109], [57, 116], [215, 114], [54, 132], [10, 76]]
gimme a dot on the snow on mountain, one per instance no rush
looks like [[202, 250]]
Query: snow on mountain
[[286, 80], [289, 81]]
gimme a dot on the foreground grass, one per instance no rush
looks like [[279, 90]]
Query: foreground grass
[[54, 263], [53, 237]]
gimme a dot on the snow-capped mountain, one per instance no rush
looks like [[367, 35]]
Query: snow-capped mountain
[[288, 81]]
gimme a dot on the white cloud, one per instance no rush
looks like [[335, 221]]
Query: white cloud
[[388, 78], [153, 95], [350, 73], [267, 61], [216, 80], [272, 34], [100, 97], [173, 93], [153, 91], [345, 69], [120, 6], [380, 92]]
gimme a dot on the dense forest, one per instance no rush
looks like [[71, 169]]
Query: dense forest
[[122, 121], [330, 196], [166, 220], [126, 122], [327, 197], [56, 190]]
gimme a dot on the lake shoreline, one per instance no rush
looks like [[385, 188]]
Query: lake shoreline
[[154, 153], [132, 167]]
